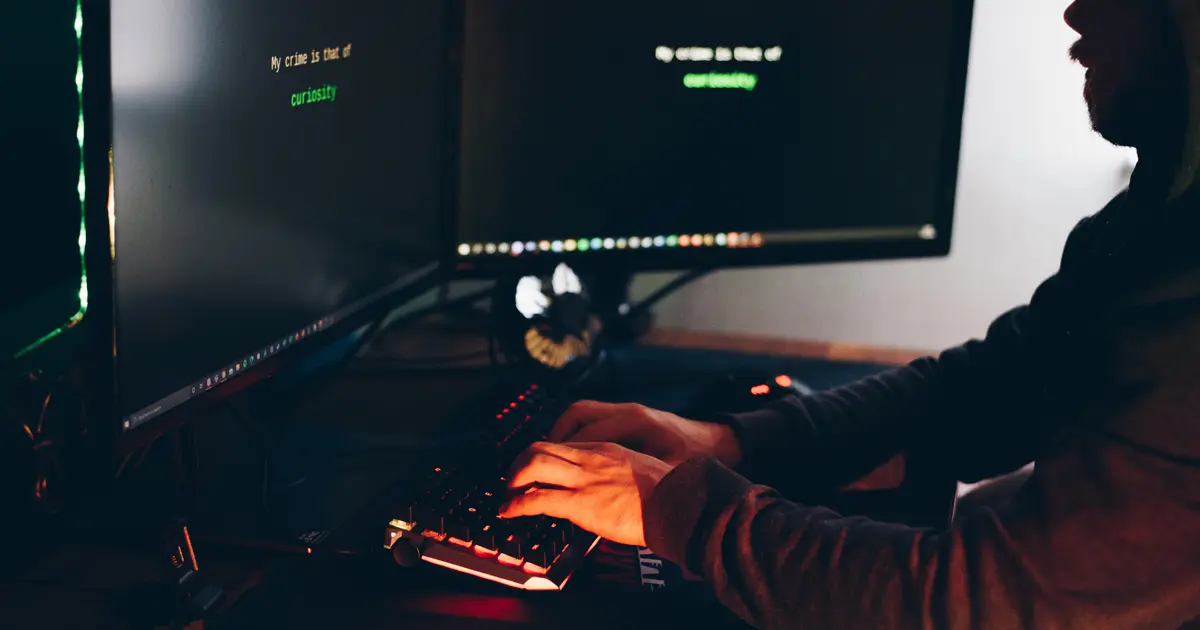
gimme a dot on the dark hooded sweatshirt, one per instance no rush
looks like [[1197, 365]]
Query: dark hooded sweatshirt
[[1096, 381]]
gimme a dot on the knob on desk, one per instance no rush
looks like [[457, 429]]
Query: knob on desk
[[406, 553]]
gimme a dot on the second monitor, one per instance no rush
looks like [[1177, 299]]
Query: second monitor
[[702, 132], [277, 170]]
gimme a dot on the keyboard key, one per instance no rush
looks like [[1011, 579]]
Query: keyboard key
[[426, 517], [539, 554], [557, 533], [457, 503], [456, 529], [511, 546], [485, 537]]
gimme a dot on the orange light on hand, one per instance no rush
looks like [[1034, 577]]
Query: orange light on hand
[[760, 390], [783, 380]]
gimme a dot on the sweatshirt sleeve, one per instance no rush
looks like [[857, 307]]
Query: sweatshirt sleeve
[[978, 405], [983, 408], [1063, 554]]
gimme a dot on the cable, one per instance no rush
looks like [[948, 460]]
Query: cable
[[674, 285], [468, 299]]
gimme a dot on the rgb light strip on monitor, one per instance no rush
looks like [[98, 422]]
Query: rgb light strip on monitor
[[730, 240], [81, 290]]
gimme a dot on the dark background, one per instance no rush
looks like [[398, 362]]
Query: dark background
[[40, 267], [241, 219], [572, 128]]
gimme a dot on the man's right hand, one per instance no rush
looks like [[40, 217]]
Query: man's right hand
[[664, 436]]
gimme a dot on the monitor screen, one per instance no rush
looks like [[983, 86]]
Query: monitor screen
[[41, 282], [688, 125], [277, 166]]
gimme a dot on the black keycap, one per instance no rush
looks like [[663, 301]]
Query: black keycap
[[457, 529], [490, 499], [554, 534], [426, 518], [526, 525], [470, 514], [485, 537], [540, 554], [512, 546]]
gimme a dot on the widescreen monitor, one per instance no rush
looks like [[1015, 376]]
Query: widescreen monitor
[[692, 133]]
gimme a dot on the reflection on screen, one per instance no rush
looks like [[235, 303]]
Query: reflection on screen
[[276, 163]]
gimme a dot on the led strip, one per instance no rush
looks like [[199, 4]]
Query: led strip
[[83, 290], [731, 240]]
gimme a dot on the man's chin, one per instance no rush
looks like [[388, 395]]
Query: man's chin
[[1114, 134], [1109, 125]]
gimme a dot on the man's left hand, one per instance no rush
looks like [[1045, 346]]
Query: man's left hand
[[597, 486]]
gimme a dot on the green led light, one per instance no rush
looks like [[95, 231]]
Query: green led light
[[83, 290], [672, 240], [583, 245]]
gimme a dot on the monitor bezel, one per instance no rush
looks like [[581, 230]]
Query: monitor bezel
[[108, 439], [814, 252]]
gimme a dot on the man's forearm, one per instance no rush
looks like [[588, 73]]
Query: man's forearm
[[981, 407], [1060, 556], [831, 438]]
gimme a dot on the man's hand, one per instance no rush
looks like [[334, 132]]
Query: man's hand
[[599, 487], [662, 435]]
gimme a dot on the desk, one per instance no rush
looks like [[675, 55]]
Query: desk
[[326, 595], [78, 587]]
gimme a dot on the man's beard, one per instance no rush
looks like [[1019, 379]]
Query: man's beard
[[1145, 116], [1113, 116]]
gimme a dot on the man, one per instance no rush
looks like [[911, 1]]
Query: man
[[1097, 380]]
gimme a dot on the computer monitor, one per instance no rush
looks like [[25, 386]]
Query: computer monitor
[[41, 268], [701, 133], [277, 169]]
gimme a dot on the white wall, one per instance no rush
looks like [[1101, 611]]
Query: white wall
[[1030, 169]]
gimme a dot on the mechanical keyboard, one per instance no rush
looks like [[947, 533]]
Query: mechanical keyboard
[[449, 518]]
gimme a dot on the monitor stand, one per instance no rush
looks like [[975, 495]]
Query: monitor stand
[[182, 595], [234, 506], [624, 320]]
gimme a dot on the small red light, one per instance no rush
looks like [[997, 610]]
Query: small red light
[[784, 380], [533, 387], [512, 405], [521, 397]]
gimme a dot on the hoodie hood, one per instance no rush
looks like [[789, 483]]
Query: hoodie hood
[[1187, 170]]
